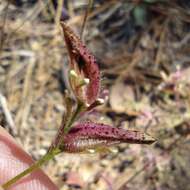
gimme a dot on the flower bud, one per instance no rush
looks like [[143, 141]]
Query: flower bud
[[83, 65]]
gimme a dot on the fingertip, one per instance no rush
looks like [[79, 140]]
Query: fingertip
[[14, 160]]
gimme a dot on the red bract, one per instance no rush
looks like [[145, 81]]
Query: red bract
[[92, 136], [83, 63]]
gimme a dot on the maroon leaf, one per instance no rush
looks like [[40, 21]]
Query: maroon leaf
[[87, 136], [84, 64]]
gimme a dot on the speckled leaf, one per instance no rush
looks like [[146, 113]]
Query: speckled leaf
[[87, 136], [84, 64]]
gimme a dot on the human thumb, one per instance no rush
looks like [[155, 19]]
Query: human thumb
[[13, 160]]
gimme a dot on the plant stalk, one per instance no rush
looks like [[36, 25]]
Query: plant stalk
[[73, 118], [36, 165], [53, 151]]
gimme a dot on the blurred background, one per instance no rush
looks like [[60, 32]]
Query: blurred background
[[143, 50]]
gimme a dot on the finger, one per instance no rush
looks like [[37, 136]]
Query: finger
[[14, 160]]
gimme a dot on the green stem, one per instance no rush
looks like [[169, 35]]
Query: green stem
[[33, 167], [50, 154], [65, 127], [74, 117]]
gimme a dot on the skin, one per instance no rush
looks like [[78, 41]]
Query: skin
[[13, 160]]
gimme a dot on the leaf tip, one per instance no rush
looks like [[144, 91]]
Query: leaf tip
[[148, 139]]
